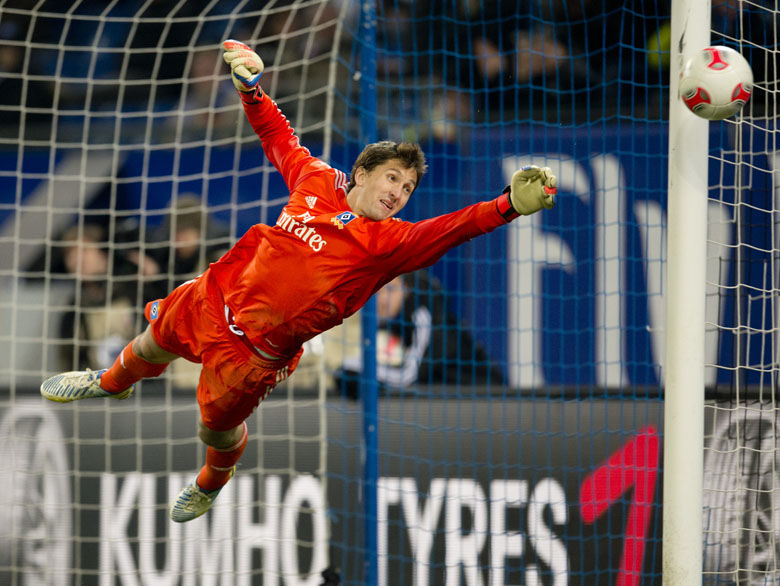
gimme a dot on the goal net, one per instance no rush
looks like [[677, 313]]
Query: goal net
[[127, 167], [741, 495], [519, 378]]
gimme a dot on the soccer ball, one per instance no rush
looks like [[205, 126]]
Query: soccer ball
[[716, 82]]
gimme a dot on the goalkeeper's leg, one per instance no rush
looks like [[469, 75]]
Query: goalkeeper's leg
[[224, 451], [232, 384], [141, 358]]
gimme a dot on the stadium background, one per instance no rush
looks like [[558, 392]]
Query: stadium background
[[114, 110]]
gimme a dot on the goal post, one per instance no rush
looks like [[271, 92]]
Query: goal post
[[721, 490], [684, 386]]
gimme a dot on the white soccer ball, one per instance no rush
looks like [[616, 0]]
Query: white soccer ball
[[716, 82]]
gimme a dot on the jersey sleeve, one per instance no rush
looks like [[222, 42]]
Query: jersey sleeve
[[280, 144], [421, 244]]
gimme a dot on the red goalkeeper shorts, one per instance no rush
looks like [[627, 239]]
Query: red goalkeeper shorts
[[191, 323]]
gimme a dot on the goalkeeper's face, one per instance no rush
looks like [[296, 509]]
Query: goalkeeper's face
[[383, 191]]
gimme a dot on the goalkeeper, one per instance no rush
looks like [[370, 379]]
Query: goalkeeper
[[335, 244]]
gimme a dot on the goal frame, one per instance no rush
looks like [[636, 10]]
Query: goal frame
[[683, 462]]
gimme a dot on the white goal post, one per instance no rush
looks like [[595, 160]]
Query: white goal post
[[685, 310], [721, 484]]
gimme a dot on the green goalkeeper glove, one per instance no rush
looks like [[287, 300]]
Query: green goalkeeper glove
[[246, 67], [532, 188]]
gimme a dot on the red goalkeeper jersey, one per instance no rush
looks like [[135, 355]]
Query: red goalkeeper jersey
[[320, 263]]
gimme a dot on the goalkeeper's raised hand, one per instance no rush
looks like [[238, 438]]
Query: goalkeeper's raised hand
[[532, 188], [246, 67]]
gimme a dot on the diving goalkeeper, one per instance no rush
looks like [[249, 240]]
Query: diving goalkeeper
[[335, 244]]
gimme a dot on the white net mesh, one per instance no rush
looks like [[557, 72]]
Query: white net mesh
[[127, 167], [741, 490], [134, 166]]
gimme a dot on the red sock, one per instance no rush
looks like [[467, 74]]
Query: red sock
[[219, 464], [127, 370]]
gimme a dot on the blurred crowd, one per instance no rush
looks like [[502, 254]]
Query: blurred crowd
[[444, 62], [420, 340], [112, 275], [156, 65], [442, 67]]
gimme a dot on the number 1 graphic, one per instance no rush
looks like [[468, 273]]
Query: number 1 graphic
[[634, 465]]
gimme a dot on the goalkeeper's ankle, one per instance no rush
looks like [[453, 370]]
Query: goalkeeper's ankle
[[100, 384]]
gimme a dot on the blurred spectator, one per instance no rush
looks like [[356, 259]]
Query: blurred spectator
[[178, 250], [109, 285], [609, 38], [553, 60], [517, 65], [504, 55], [296, 43], [395, 38], [420, 341], [182, 248], [11, 62], [398, 101], [102, 320], [81, 57], [208, 109], [413, 97]]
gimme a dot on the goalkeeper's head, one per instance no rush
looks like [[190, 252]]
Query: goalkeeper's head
[[377, 153], [383, 178]]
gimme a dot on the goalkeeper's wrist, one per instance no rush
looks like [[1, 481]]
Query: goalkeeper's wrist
[[504, 206], [253, 96]]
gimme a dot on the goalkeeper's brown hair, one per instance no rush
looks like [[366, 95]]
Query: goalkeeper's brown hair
[[377, 153]]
